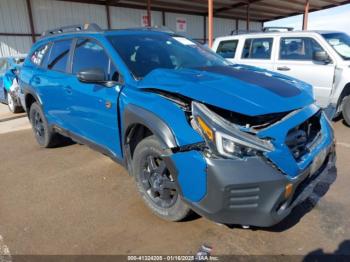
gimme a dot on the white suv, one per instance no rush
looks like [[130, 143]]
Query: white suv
[[320, 58]]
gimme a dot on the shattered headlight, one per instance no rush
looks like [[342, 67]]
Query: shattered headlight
[[224, 137]]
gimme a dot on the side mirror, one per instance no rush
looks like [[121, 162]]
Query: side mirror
[[321, 56], [94, 75]]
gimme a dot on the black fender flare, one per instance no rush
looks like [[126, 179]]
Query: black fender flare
[[33, 94], [137, 115]]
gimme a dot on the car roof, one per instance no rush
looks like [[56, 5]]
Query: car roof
[[272, 34], [141, 30]]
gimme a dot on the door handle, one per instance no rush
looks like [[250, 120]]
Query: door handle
[[283, 68], [68, 89]]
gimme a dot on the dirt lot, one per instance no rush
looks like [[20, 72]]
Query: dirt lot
[[72, 200]]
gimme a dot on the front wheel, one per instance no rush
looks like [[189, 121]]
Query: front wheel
[[12, 105], [346, 110], [155, 183]]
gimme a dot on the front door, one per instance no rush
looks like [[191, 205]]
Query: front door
[[296, 60], [93, 107]]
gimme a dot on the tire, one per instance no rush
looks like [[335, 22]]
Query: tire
[[346, 110], [45, 137], [154, 182], [13, 107]]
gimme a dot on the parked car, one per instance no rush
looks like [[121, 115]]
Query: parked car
[[10, 66], [235, 144], [320, 58]]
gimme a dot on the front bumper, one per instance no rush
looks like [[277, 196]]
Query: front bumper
[[252, 191]]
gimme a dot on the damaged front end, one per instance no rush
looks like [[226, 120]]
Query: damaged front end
[[252, 170]]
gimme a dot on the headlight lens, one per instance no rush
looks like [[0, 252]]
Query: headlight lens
[[224, 137]]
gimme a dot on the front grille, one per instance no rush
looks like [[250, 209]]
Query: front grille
[[300, 138]]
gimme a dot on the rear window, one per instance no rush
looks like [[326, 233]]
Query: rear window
[[258, 48], [227, 49], [59, 55]]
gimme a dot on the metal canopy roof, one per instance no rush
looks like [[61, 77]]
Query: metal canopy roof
[[259, 10]]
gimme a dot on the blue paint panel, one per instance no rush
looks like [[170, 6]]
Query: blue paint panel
[[192, 177], [282, 156], [170, 113], [273, 84], [230, 93]]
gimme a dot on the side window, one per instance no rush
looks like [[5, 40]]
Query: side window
[[298, 48], [59, 55], [227, 49], [40, 55], [258, 48], [89, 54]]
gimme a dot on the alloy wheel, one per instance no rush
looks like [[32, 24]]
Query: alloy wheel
[[158, 182], [38, 126]]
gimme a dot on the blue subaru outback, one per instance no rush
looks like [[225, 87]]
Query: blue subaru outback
[[236, 144]]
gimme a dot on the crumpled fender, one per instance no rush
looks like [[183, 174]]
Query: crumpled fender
[[169, 119], [170, 125]]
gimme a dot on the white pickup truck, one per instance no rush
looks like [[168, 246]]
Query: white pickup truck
[[320, 58]]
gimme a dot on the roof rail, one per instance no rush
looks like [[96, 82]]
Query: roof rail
[[242, 31], [73, 28], [277, 29]]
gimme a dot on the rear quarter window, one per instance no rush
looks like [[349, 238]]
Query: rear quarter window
[[41, 54], [227, 49]]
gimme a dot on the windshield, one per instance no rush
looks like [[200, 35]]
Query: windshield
[[340, 42], [143, 53]]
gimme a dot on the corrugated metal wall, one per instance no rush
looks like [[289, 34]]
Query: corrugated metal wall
[[223, 26], [195, 23], [14, 19], [127, 17], [51, 14]]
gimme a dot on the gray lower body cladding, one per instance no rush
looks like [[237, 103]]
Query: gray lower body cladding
[[252, 192]]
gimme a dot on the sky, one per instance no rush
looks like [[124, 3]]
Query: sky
[[336, 18]]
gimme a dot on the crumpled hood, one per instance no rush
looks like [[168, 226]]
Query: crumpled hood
[[242, 89]]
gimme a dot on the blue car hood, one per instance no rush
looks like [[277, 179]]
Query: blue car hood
[[242, 89]]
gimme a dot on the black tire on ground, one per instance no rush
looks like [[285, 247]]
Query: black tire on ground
[[151, 174], [346, 109], [12, 105], [44, 135]]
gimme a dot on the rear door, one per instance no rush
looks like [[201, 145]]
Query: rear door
[[93, 107], [295, 58], [257, 52], [49, 80]]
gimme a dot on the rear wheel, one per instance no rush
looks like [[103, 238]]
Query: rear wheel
[[346, 110], [43, 134], [12, 105], [155, 183]]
